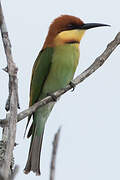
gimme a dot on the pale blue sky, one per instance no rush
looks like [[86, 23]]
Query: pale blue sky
[[89, 146]]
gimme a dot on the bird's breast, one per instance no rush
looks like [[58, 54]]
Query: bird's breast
[[66, 57], [64, 63]]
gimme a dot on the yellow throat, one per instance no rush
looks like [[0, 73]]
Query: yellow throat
[[70, 36]]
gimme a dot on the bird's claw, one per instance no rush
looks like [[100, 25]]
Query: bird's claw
[[72, 85], [54, 98]]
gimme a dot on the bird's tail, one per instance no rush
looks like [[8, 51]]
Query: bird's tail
[[37, 131], [33, 162]]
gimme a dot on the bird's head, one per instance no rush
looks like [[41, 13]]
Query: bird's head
[[67, 29]]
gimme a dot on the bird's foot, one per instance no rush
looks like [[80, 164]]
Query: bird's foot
[[54, 98], [72, 85]]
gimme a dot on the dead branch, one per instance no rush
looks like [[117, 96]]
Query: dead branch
[[99, 61], [54, 154], [12, 102]]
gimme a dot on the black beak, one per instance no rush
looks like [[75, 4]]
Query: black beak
[[91, 25]]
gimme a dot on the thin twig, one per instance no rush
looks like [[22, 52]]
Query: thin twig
[[12, 102], [54, 154], [99, 61], [3, 123]]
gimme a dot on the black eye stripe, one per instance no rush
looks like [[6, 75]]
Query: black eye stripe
[[72, 26], [72, 42]]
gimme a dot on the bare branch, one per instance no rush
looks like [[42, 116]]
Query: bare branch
[[11, 67], [54, 154], [12, 102], [99, 61]]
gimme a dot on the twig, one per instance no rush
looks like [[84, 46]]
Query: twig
[[12, 102], [99, 61], [54, 154], [11, 67], [3, 123]]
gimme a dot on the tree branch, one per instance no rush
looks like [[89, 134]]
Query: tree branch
[[99, 61], [54, 154], [12, 102]]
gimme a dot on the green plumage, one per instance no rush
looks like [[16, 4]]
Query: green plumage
[[54, 68]]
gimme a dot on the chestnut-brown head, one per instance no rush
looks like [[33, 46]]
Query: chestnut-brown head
[[67, 29]]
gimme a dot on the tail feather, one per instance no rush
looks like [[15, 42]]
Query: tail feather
[[29, 117], [37, 130], [33, 162], [30, 131]]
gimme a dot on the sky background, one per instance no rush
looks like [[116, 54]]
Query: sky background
[[89, 147]]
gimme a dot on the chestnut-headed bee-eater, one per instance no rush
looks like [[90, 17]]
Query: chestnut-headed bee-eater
[[53, 69]]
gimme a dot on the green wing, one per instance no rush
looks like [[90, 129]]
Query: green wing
[[40, 71], [39, 74]]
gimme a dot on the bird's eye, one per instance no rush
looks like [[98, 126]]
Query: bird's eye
[[70, 25]]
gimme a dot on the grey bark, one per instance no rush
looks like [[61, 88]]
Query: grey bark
[[9, 133]]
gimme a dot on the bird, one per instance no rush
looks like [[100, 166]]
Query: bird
[[53, 69]]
